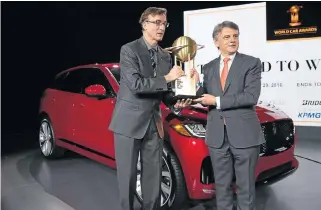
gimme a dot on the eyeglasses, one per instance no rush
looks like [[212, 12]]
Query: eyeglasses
[[158, 23]]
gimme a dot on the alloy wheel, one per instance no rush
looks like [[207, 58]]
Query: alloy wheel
[[45, 138], [166, 182]]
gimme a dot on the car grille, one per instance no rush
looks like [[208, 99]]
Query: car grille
[[279, 136]]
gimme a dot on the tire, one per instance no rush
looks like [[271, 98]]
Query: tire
[[175, 181], [47, 140]]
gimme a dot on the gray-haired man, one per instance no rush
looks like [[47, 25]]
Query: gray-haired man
[[231, 88]]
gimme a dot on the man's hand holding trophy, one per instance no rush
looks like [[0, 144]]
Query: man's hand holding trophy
[[184, 50]]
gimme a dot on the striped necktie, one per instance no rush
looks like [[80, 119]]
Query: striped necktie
[[152, 53]]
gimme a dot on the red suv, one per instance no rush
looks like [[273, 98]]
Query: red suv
[[76, 110]]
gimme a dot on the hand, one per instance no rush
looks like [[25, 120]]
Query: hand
[[195, 74], [206, 99], [183, 103], [175, 73]]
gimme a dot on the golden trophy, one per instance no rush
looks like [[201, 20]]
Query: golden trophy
[[184, 50]]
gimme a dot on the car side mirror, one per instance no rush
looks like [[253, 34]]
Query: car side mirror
[[97, 91]]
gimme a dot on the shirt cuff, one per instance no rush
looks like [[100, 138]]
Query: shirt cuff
[[218, 103], [198, 85]]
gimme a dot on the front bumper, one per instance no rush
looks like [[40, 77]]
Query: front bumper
[[198, 173], [276, 174], [269, 170], [276, 160]]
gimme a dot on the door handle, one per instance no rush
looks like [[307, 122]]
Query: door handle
[[53, 99], [82, 105]]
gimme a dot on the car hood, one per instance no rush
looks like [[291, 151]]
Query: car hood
[[265, 112]]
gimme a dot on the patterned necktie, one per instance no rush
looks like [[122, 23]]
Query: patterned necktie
[[224, 72], [152, 53]]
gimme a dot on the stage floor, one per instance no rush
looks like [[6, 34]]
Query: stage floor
[[29, 182]]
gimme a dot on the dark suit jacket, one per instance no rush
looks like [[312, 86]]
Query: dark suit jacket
[[237, 102], [140, 94]]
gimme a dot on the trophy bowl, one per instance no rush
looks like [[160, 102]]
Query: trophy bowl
[[184, 49]]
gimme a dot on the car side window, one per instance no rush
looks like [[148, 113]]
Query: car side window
[[94, 76], [72, 82], [58, 82]]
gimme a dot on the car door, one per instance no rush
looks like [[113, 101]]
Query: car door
[[55, 105], [93, 115], [71, 88]]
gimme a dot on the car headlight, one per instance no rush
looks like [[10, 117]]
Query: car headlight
[[191, 130]]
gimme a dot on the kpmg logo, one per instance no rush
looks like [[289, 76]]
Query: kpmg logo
[[311, 103], [309, 115]]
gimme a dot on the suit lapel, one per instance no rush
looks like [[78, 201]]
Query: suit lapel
[[144, 55], [162, 62], [234, 70], [214, 74], [217, 75]]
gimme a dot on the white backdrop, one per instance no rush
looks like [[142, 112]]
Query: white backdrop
[[288, 89]]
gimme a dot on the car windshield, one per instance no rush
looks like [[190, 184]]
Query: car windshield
[[116, 73]]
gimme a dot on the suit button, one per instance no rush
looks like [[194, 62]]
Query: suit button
[[221, 117]]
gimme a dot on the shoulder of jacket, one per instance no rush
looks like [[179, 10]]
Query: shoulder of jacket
[[131, 44], [248, 57], [210, 63]]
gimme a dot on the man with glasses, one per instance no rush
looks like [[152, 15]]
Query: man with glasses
[[231, 89], [146, 72]]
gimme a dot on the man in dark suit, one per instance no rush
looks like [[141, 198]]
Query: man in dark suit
[[146, 72], [231, 88]]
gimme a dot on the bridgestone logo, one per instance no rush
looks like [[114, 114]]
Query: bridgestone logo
[[313, 103]]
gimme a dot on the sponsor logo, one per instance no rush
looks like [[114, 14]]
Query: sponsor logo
[[310, 115], [311, 103]]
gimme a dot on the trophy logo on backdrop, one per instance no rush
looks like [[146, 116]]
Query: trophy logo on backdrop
[[184, 50], [294, 22], [294, 11]]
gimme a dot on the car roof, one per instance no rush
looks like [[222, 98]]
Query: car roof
[[108, 65]]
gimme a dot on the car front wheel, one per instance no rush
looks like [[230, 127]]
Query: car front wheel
[[47, 141], [173, 190]]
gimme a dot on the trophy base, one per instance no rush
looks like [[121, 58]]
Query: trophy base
[[180, 97]]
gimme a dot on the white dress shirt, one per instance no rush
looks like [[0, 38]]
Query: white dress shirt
[[218, 104]]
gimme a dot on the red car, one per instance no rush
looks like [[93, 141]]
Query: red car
[[76, 110]]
